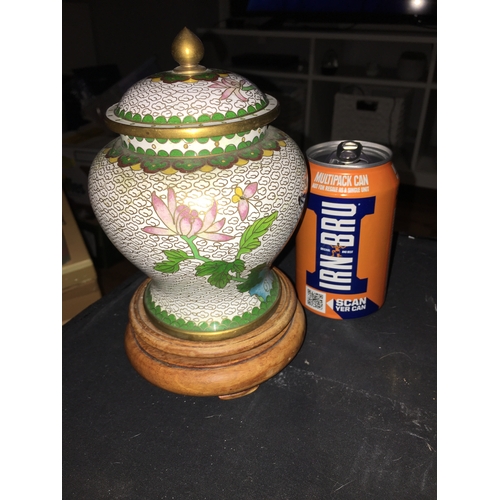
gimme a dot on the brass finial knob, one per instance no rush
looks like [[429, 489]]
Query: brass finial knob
[[188, 51]]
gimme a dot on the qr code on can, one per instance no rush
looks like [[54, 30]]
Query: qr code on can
[[315, 300]]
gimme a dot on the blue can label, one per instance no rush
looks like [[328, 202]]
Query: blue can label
[[338, 228]]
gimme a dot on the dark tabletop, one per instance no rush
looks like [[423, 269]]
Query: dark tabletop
[[352, 417]]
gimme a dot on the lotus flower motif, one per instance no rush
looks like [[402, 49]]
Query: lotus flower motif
[[180, 220], [231, 86]]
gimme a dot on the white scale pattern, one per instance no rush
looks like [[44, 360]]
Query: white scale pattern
[[185, 99], [121, 199]]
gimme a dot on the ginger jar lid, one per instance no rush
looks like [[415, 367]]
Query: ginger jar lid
[[191, 101]]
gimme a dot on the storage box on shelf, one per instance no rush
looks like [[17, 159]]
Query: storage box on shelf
[[79, 279], [372, 118], [397, 66]]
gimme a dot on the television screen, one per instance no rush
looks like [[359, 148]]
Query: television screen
[[340, 11]]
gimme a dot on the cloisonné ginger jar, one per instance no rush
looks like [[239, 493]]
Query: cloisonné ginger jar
[[201, 194]]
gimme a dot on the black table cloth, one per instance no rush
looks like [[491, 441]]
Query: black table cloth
[[353, 416]]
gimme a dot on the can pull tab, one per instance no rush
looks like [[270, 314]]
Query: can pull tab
[[347, 152]]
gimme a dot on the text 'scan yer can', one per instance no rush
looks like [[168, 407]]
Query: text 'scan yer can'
[[344, 241]]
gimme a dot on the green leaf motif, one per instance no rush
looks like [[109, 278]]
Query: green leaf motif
[[238, 266], [167, 267], [218, 272], [252, 280], [176, 255], [250, 238], [170, 266]]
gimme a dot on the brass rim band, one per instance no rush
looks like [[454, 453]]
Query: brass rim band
[[186, 132]]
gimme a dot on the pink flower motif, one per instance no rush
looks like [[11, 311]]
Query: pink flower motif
[[182, 221], [230, 86], [241, 197]]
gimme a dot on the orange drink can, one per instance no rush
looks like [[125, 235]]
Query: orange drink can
[[343, 244]]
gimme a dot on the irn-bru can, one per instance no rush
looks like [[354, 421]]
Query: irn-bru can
[[344, 240]]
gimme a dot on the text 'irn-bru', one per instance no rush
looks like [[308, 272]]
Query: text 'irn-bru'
[[344, 240]]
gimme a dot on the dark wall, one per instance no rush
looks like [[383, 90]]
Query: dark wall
[[105, 41], [128, 32]]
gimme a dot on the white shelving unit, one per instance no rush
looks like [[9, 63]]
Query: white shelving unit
[[355, 50]]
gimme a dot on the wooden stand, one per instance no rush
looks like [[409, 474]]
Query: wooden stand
[[226, 368]]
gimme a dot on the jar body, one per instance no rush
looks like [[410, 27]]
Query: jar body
[[204, 229]]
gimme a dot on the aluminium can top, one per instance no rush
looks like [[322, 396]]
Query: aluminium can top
[[349, 154]]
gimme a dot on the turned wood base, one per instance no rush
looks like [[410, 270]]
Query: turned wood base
[[226, 368]]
